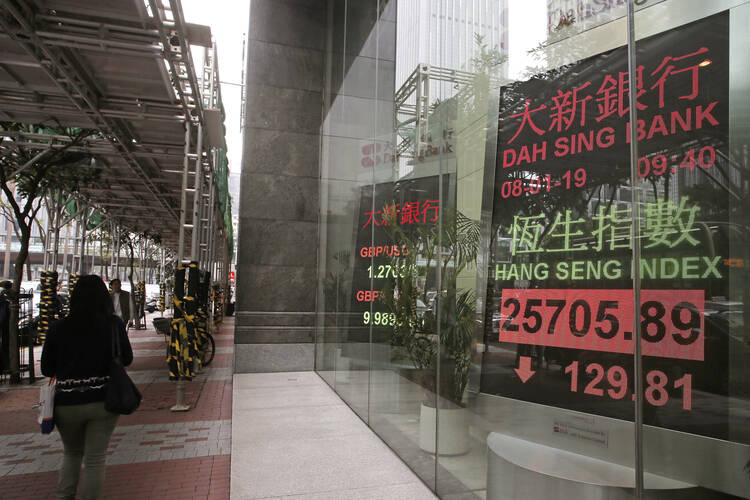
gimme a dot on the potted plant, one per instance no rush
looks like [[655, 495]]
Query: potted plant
[[443, 334]]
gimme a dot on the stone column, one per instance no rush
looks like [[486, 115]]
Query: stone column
[[278, 224]]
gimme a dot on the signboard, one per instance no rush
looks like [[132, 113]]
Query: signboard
[[583, 14], [377, 153], [561, 274], [408, 205], [568, 17]]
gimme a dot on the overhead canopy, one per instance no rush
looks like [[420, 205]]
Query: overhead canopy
[[102, 65]]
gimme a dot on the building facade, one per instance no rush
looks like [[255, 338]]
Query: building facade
[[454, 210]]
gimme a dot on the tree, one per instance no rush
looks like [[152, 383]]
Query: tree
[[105, 237], [34, 161], [133, 240]]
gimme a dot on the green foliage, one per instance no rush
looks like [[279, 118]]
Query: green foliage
[[39, 166], [452, 245]]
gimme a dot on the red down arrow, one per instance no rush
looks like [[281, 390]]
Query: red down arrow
[[524, 370]]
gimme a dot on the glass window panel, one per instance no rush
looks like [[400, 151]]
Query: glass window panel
[[554, 380], [693, 145], [402, 381]]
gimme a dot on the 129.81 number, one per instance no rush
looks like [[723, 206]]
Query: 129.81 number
[[657, 382]]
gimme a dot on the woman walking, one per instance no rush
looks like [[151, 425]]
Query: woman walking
[[78, 352]]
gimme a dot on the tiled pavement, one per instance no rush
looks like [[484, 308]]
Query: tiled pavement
[[295, 439], [154, 453]]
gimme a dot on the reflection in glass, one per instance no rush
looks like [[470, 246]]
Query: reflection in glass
[[476, 266]]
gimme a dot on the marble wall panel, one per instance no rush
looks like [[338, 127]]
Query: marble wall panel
[[262, 358], [275, 108], [277, 197], [273, 335], [281, 152], [276, 288], [299, 24], [275, 319], [280, 243], [283, 66]]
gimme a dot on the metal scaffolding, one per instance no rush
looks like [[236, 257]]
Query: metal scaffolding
[[124, 69], [412, 106]]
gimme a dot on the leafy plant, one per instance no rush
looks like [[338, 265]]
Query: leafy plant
[[449, 246], [337, 282]]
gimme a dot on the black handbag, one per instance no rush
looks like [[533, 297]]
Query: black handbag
[[123, 396]]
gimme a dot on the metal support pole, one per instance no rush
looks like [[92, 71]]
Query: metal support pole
[[66, 242], [418, 111], [183, 198], [180, 396], [58, 220], [74, 248], [84, 223], [207, 218], [142, 265], [635, 238], [101, 254], [212, 91], [47, 233], [211, 223], [205, 223], [111, 248], [92, 249], [117, 252], [197, 191], [210, 247]]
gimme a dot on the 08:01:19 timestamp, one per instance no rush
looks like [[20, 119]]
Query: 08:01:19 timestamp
[[518, 187]]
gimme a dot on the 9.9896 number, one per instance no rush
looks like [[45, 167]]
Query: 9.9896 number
[[378, 318]]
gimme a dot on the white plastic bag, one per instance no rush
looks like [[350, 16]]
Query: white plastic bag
[[47, 406]]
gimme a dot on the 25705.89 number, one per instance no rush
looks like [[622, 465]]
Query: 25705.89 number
[[653, 323]]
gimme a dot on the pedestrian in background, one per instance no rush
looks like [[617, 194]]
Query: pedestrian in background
[[120, 301], [78, 352]]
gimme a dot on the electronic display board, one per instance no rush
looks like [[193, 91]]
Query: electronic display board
[[560, 279]]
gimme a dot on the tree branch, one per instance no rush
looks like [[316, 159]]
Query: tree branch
[[11, 199], [33, 160], [9, 150]]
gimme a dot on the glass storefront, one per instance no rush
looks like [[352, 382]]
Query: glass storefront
[[494, 216]]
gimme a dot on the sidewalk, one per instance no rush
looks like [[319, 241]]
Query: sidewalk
[[293, 438], [154, 453]]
